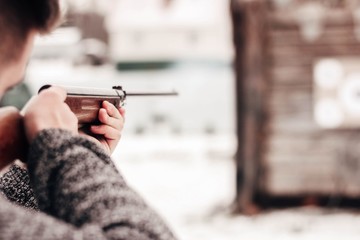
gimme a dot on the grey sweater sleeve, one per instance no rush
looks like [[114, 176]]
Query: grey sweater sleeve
[[15, 186], [76, 182], [23, 224]]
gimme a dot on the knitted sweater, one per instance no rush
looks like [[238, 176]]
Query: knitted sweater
[[79, 192]]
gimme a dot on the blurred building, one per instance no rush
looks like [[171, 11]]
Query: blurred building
[[298, 65], [169, 30]]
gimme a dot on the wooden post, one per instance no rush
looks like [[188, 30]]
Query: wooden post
[[250, 40]]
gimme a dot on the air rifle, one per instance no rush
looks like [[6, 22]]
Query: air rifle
[[85, 103]]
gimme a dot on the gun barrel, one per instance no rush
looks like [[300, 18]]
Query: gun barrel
[[85, 102], [140, 94]]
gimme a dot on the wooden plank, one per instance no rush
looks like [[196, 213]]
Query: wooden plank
[[344, 35], [319, 142], [321, 158], [289, 60], [291, 110], [250, 44], [299, 178], [285, 19], [291, 76], [295, 98], [289, 52]]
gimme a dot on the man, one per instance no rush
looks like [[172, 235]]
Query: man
[[76, 187]]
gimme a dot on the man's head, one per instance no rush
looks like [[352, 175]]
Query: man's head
[[20, 21]]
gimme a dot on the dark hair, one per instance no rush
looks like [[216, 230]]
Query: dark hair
[[18, 18]]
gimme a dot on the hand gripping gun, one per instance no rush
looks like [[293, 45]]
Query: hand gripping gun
[[85, 103]]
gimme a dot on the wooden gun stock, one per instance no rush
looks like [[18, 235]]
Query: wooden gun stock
[[13, 144], [85, 103]]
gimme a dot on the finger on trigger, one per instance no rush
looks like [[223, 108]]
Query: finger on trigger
[[111, 109], [111, 121], [103, 116]]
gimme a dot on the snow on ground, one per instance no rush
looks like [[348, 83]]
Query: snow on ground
[[189, 180], [186, 175]]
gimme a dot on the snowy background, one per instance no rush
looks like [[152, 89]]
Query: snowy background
[[177, 152], [183, 162]]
